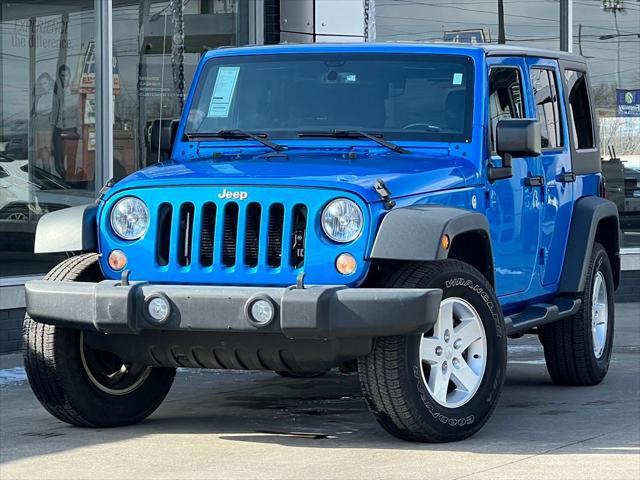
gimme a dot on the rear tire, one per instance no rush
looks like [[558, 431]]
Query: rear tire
[[82, 386], [410, 399], [578, 349]]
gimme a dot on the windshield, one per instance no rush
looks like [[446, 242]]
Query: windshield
[[403, 97]]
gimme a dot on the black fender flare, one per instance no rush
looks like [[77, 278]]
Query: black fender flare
[[72, 229], [588, 213], [414, 233]]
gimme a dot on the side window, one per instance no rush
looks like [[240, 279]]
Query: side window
[[579, 109], [546, 94], [505, 97]]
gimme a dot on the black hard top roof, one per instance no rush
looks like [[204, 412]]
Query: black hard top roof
[[492, 50]]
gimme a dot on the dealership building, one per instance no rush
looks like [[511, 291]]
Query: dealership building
[[82, 80]]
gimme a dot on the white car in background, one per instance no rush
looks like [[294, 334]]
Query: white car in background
[[28, 192]]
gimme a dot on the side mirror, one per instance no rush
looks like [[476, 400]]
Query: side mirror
[[162, 134], [518, 137]]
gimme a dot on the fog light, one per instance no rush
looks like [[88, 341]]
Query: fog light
[[261, 311], [346, 264], [117, 260], [158, 308]]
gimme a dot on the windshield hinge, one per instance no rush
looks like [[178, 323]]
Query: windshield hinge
[[381, 189]]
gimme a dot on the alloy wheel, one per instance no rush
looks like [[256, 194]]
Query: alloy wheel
[[599, 314], [454, 354]]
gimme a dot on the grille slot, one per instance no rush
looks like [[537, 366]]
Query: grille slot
[[230, 234], [274, 241], [252, 235], [207, 234], [299, 234], [185, 233], [164, 234]]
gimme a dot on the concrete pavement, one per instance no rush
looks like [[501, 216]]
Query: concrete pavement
[[238, 425]]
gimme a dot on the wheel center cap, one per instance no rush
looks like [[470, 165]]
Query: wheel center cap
[[448, 352]]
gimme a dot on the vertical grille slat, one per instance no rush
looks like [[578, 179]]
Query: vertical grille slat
[[218, 237], [241, 235], [174, 244], [263, 239], [207, 234], [230, 234], [274, 240], [252, 234]]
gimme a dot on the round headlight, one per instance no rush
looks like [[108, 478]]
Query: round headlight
[[342, 220], [130, 218]]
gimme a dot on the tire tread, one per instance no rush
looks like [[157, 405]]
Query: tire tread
[[40, 355]]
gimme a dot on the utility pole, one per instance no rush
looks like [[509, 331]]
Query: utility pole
[[615, 6], [566, 25], [501, 36]]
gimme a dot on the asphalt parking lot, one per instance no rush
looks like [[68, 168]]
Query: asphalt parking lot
[[239, 425]]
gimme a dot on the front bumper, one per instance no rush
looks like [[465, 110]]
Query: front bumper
[[315, 312]]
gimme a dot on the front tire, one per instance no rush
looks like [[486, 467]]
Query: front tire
[[578, 349], [83, 386], [443, 385]]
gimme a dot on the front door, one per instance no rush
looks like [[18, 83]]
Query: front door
[[514, 206], [556, 164]]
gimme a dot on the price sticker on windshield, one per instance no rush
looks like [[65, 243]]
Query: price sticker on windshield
[[223, 90]]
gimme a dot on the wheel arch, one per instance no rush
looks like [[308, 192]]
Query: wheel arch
[[415, 234], [72, 229], [594, 219]]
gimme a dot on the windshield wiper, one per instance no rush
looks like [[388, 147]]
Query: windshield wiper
[[375, 137], [230, 134]]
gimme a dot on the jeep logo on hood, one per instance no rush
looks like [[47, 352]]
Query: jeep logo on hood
[[232, 195]]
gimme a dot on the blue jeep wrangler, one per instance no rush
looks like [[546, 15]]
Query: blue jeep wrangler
[[395, 209]]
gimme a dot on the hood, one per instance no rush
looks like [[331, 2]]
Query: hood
[[422, 171]]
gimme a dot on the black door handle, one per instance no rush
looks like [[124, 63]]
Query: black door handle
[[534, 181], [566, 177]]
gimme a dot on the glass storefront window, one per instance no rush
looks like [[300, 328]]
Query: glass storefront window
[[157, 46], [534, 23], [47, 97], [47, 140]]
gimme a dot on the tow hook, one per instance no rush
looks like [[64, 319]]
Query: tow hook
[[300, 281], [124, 278]]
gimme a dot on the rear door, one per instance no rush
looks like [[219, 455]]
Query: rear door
[[557, 192], [513, 207]]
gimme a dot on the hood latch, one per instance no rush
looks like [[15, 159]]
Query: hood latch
[[381, 189]]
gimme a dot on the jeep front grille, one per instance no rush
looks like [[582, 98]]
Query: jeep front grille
[[198, 235], [231, 234]]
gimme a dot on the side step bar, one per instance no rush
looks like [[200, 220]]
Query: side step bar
[[541, 314]]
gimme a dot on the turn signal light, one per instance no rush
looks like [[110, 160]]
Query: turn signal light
[[445, 241], [346, 264], [117, 260]]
